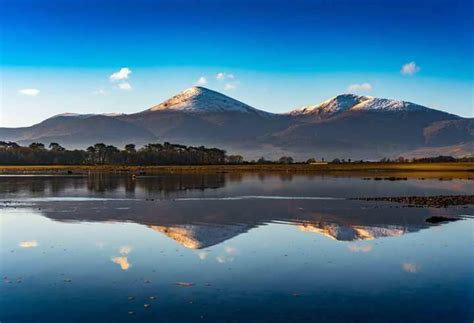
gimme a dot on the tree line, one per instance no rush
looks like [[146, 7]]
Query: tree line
[[157, 154], [151, 154]]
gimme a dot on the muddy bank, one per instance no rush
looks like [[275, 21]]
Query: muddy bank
[[428, 201]]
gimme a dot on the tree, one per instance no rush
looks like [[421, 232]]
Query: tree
[[130, 149], [54, 146], [36, 146], [152, 154], [235, 159], [311, 161], [286, 160]]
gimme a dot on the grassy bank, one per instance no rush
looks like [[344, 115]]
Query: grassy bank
[[429, 169]]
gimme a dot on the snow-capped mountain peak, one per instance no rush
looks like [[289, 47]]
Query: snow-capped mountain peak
[[387, 105], [202, 100], [352, 102], [335, 104]]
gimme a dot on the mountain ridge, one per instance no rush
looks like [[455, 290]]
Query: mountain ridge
[[346, 125]]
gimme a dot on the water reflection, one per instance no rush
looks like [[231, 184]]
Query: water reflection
[[199, 224], [222, 184], [202, 210], [210, 246]]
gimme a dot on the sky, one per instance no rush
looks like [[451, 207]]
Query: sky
[[100, 56]]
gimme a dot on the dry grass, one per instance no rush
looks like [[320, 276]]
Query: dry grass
[[458, 170]]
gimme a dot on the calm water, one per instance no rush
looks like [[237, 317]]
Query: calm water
[[226, 247]]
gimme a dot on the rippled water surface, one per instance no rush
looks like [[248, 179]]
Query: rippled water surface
[[230, 247]]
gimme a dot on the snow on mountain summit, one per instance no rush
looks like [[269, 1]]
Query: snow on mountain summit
[[387, 105], [338, 103], [201, 100], [352, 102]]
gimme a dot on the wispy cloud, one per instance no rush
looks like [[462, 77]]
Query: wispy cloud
[[410, 69], [99, 92], [29, 92], [221, 76], [202, 81], [360, 87], [230, 86], [121, 74], [124, 86]]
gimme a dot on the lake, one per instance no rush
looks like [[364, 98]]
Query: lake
[[232, 248]]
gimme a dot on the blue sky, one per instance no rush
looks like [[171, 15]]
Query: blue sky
[[58, 56]]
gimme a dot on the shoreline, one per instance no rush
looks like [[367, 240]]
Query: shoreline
[[371, 170]]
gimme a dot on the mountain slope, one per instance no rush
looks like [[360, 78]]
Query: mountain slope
[[201, 116], [364, 127], [79, 131], [328, 108], [201, 100], [345, 126]]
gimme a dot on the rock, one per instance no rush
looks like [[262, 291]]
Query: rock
[[439, 219]]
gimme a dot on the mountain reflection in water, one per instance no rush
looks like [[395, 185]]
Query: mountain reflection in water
[[202, 210], [231, 248], [199, 224]]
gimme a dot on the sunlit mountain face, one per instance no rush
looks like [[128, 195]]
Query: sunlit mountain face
[[344, 126]]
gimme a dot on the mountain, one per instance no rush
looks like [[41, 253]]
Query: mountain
[[345, 126], [367, 126], [328, 108], [75, 130], [201, 100], [200, 116]]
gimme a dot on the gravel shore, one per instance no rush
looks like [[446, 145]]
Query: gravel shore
[[429, 201]]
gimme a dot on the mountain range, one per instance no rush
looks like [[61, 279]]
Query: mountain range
[[345, 126]]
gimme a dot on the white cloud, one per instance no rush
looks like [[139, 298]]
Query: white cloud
[[201, 81], [229, 86], [410, 68], [99, 92], [121, 75], [223, 76], [124, 86], [29, 92], [360, 87]]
